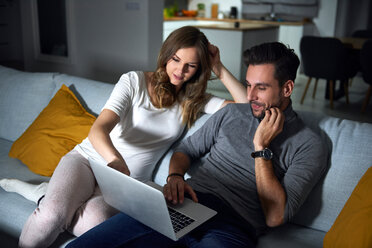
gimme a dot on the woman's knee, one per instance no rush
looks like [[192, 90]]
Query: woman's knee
[[91, 214]]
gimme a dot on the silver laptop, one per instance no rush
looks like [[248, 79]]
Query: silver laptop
[[145, 202]]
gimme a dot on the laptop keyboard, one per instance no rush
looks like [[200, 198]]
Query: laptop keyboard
[[179, 220]]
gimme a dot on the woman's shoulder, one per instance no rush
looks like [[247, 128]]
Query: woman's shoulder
[[133, 79], [133, 76]]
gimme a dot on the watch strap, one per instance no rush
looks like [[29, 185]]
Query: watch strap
[[266, 153], [257, 154]]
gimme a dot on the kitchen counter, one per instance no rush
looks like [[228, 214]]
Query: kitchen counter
[[240, 21], [216, 24], [232, 26]]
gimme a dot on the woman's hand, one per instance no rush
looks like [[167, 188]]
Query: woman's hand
[[236, 89], [119, 165], [99, 136], [214, 53]]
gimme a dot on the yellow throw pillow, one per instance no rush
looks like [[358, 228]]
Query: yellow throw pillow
[[61, 125], [353, 225]]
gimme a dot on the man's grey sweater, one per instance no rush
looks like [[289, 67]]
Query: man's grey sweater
[[228, 171]]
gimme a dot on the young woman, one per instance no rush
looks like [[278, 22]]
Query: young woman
[[145, 114]]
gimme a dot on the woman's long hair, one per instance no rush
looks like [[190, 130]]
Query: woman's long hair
[[191, 96]]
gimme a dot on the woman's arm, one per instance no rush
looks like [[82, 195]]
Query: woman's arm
[[99, 136], [236, 89]]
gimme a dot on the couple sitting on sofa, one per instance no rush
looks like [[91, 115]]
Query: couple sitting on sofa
[[262, 164]]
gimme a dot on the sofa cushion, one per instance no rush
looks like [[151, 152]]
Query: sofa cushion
[[353, 226], [291, 236], [62, 125], [91, 94], [350, 144], [22, 97]]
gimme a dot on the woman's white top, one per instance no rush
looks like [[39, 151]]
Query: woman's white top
[[144, 132]]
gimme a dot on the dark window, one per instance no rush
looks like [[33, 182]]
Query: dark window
[[52, 27]]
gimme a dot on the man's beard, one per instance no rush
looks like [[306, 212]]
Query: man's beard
[[262, 114]]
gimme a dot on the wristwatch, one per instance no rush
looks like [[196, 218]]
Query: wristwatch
[[266, 153]]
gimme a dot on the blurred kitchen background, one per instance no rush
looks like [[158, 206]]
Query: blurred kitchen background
[[101, 39]]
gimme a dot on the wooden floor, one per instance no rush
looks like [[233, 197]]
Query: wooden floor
[[351, 111]]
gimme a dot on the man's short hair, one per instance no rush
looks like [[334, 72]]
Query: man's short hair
[[285, 60]]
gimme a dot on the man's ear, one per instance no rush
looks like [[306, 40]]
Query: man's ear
[[288, 88]]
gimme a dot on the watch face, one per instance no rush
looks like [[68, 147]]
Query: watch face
[[267, 154]]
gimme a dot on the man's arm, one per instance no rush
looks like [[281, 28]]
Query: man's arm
[[176, 187], [271, 193], [194, 147]]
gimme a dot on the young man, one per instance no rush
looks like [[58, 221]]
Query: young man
[[262, 162]]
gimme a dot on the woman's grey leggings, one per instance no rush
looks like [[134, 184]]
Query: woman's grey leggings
[[72, 202]]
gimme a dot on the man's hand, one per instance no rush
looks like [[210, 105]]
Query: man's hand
[[119, 166], [269, 128], [174, 190]]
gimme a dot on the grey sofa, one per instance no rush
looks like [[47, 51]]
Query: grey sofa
[[23, 95]]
